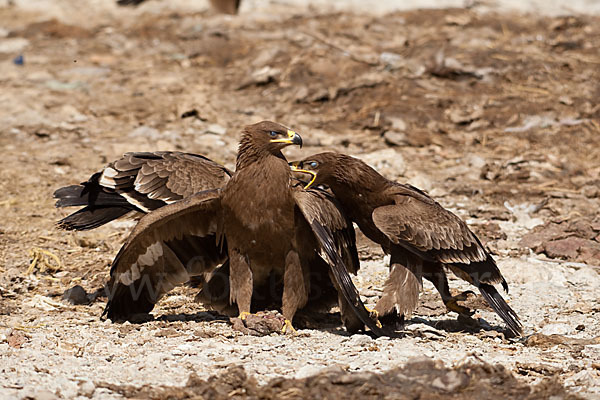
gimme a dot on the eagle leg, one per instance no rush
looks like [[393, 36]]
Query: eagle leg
[[295, 289], [452, 305], [435, 274], [374, 314], [243, 315], [402, 286], [241, 284], [288, 328]]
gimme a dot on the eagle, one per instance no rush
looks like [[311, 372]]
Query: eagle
[[259, 224], [421, 236]]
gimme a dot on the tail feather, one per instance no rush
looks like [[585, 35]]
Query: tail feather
[[508, 315], [71, 196], [90, 218], [100, 206], [482, 271]]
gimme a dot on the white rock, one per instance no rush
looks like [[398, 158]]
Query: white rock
[[306, 371], [388, 162], [359, 340], [216, 129], [556, 329], [87, 388], [44, 394], [145, 132], [13, 45]]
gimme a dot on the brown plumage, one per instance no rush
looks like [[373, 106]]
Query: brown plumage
[[138, 182], [421, 236], [264, 225]]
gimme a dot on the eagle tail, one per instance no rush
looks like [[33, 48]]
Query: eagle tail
[[495, 300], [100, 206], [90, 218]]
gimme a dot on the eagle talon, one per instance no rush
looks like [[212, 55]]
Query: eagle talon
[[374, 315], [288, 328], [452, 305], [243, 315], [464, 295]]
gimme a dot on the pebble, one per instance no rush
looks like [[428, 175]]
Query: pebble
[[13, 45], [87, 388], [359, 340], [44, 394], [306, 371], [216, 129], [556, 329], [76, 295], [395, 138], [386, 161]]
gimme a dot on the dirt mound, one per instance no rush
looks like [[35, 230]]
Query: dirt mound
[[418, 379]]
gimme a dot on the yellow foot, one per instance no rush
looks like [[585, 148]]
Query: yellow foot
[[464, 295], [374, 316], [452, 305], [243, 315], [288, 328]]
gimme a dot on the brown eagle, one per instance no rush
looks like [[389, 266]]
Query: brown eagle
[[421, 236], [259, 224]]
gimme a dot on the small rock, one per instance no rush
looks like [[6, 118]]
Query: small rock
[[395, 138], [87, 388], [76, 295], [462, 116], [145, 132], [556, 329], [387, 161], [216, 129], [259, 324], [16, 339], [261, 76], [306, 371], [44, 394], [590, 191], [359, 340], [392, 60], [13, 45], [566, 100], [564, 248]]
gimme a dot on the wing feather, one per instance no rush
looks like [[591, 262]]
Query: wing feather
[[142, 182], [429, 229], [327, 221], [165, 249]]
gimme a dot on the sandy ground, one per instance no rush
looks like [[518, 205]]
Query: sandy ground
[[495, 114]]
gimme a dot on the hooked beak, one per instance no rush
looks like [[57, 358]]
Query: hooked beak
[[295, 166], [293, 138]]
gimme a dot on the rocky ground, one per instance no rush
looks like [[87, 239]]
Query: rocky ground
[[494, 114]]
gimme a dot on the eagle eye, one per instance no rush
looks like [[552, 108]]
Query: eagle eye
[[313, 164], [272, 133]]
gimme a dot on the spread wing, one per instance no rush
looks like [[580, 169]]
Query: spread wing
[[139, 182], [165, 249], [334, 235], [422, 226]]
